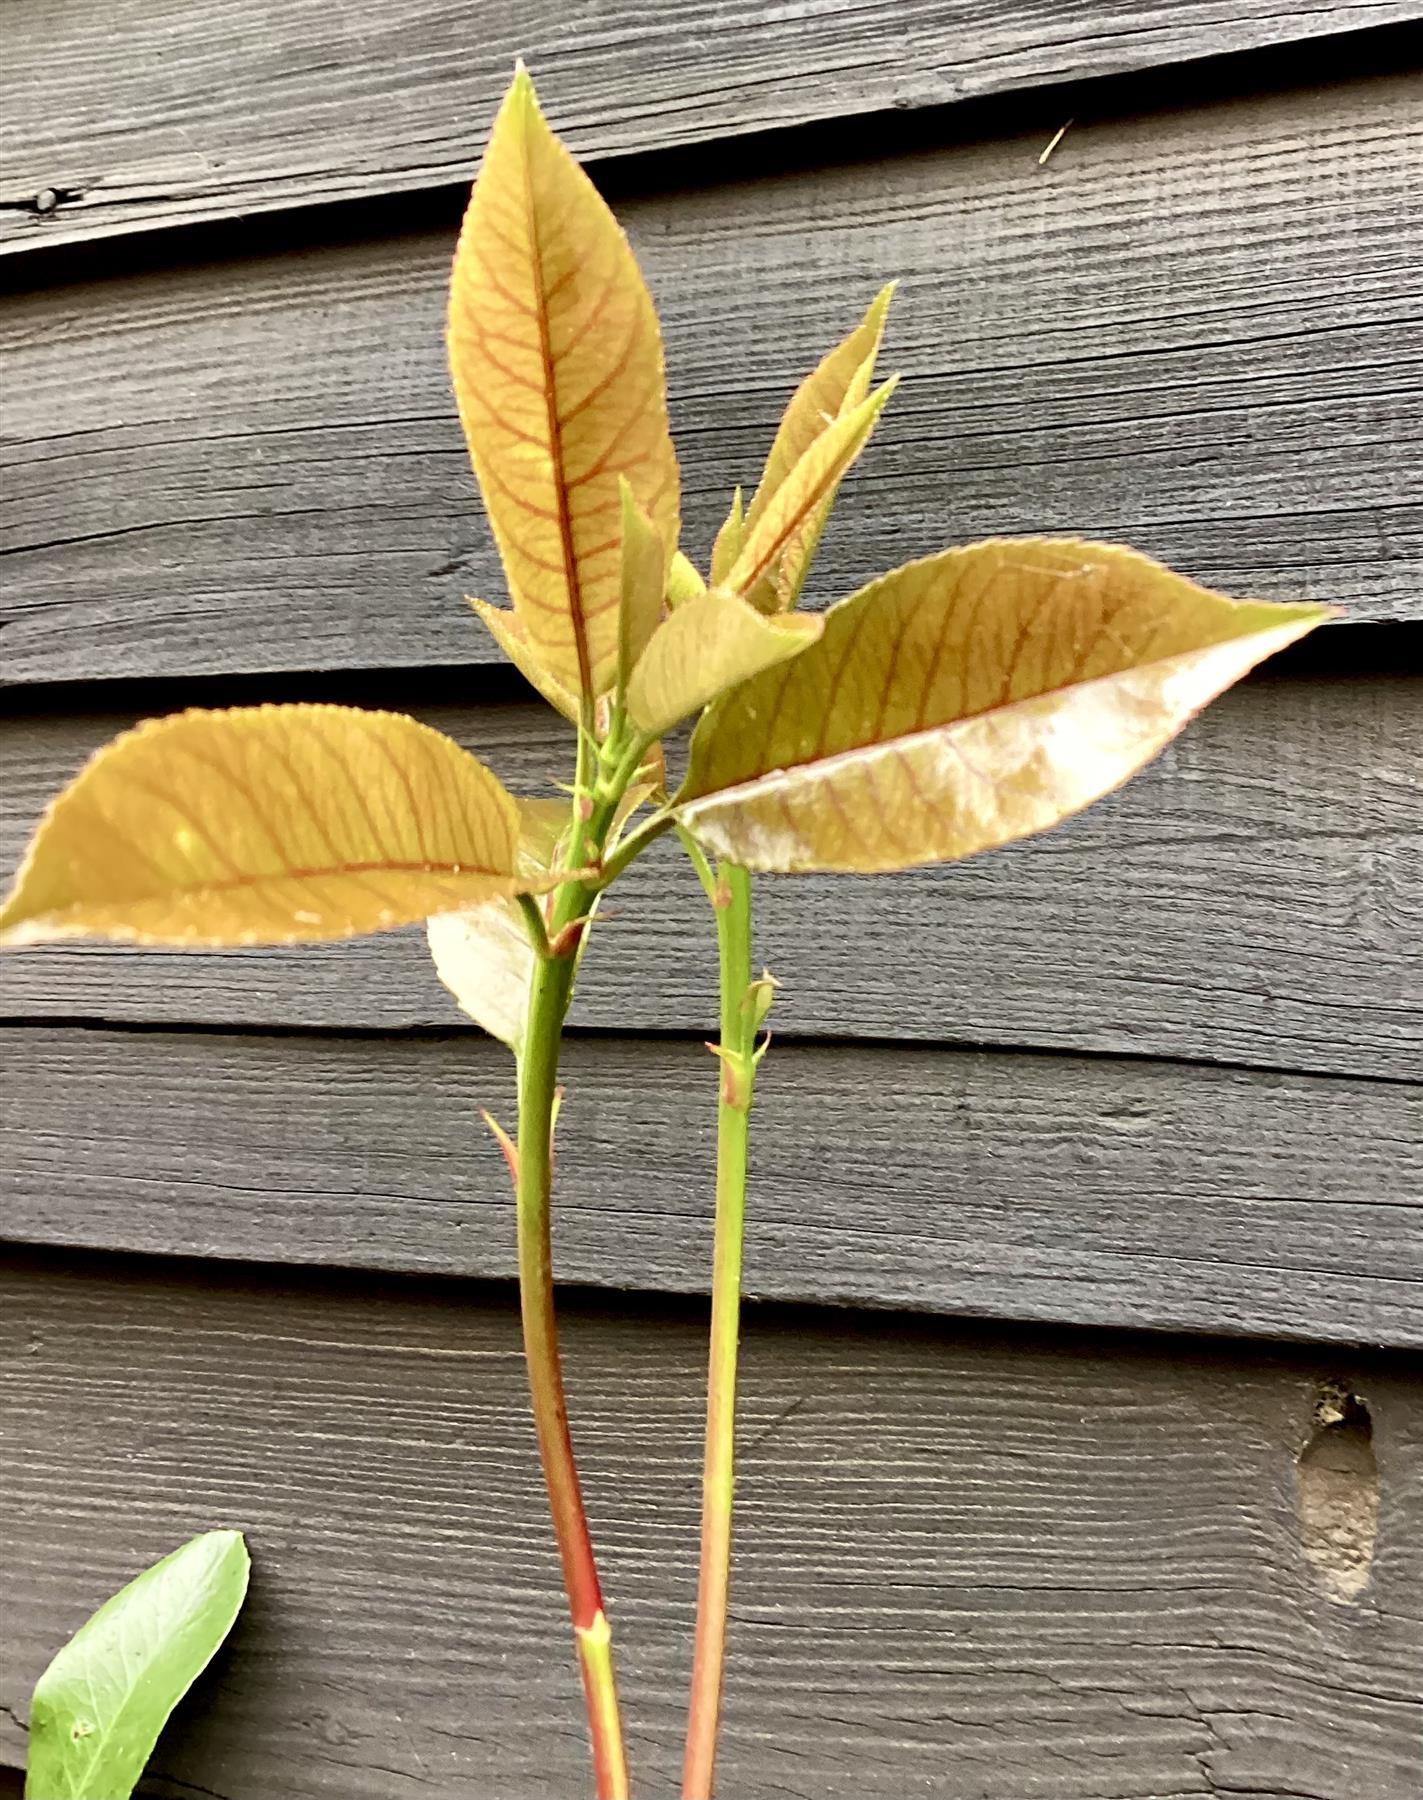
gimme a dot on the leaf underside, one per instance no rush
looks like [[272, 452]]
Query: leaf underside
[[100, 1705], [965, 701], [265, 825], [483, 954]]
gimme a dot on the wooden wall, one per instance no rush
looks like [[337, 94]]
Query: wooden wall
[[1088, 1174]]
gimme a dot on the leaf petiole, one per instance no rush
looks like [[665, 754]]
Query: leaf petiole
[[534, 924], [634, 844]]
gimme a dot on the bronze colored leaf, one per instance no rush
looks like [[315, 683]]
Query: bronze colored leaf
[[796, 503], [842, 376], [729, 540], [964, 701], [705, 647], [265, 825], [509, 634], [644, 572], [557, 364], [835, 388], [683, 581]]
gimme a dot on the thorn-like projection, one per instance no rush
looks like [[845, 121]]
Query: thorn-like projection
[[757, 1001], [567, 939], [506, 1144], [558, 1094]]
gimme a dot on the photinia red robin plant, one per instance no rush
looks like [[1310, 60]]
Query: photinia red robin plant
[[955, 704]]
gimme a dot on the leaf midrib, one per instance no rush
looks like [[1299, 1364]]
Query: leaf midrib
[[555, 423]]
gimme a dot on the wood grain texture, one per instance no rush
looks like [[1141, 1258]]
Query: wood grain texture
[[1025, 1187], [974, 1569], [1254, 897], [145, 117], [1196, 332]]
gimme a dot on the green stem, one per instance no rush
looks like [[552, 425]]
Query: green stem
[[732, 899], [549, 996], [633, 846]]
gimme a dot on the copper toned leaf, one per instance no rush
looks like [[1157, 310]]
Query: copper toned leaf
[[265, 825], [964, 701], [556, 358]]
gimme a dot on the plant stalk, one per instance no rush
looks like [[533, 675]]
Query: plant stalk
[[549, 997], [732, 901]]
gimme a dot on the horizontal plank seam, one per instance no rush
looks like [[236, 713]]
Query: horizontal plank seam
[[780, 1312], [653, 1035], [1385, 648]]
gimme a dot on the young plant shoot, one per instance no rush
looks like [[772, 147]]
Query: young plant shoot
[[960, 702]]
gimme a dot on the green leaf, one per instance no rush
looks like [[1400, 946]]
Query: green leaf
[[965, 701], [644, 569], [265, 825], [100, 1705], [703, 648]]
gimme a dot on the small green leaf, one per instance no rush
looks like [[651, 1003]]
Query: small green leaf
[[965, 701], [100, 1705], [704, 648]]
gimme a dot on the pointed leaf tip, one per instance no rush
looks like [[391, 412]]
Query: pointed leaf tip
[[556, 358], [792, 519], [727, 546], [964, 701], [99, 1707], [842, 376], [683, 581]]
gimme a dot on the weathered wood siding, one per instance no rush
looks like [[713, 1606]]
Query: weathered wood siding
[[972, 1563], [1158, 1073]]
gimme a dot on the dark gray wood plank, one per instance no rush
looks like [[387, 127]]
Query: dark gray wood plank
[[1091, 1191], [1195, 331], [141, 117], [975, 1568], [1256, 897]]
